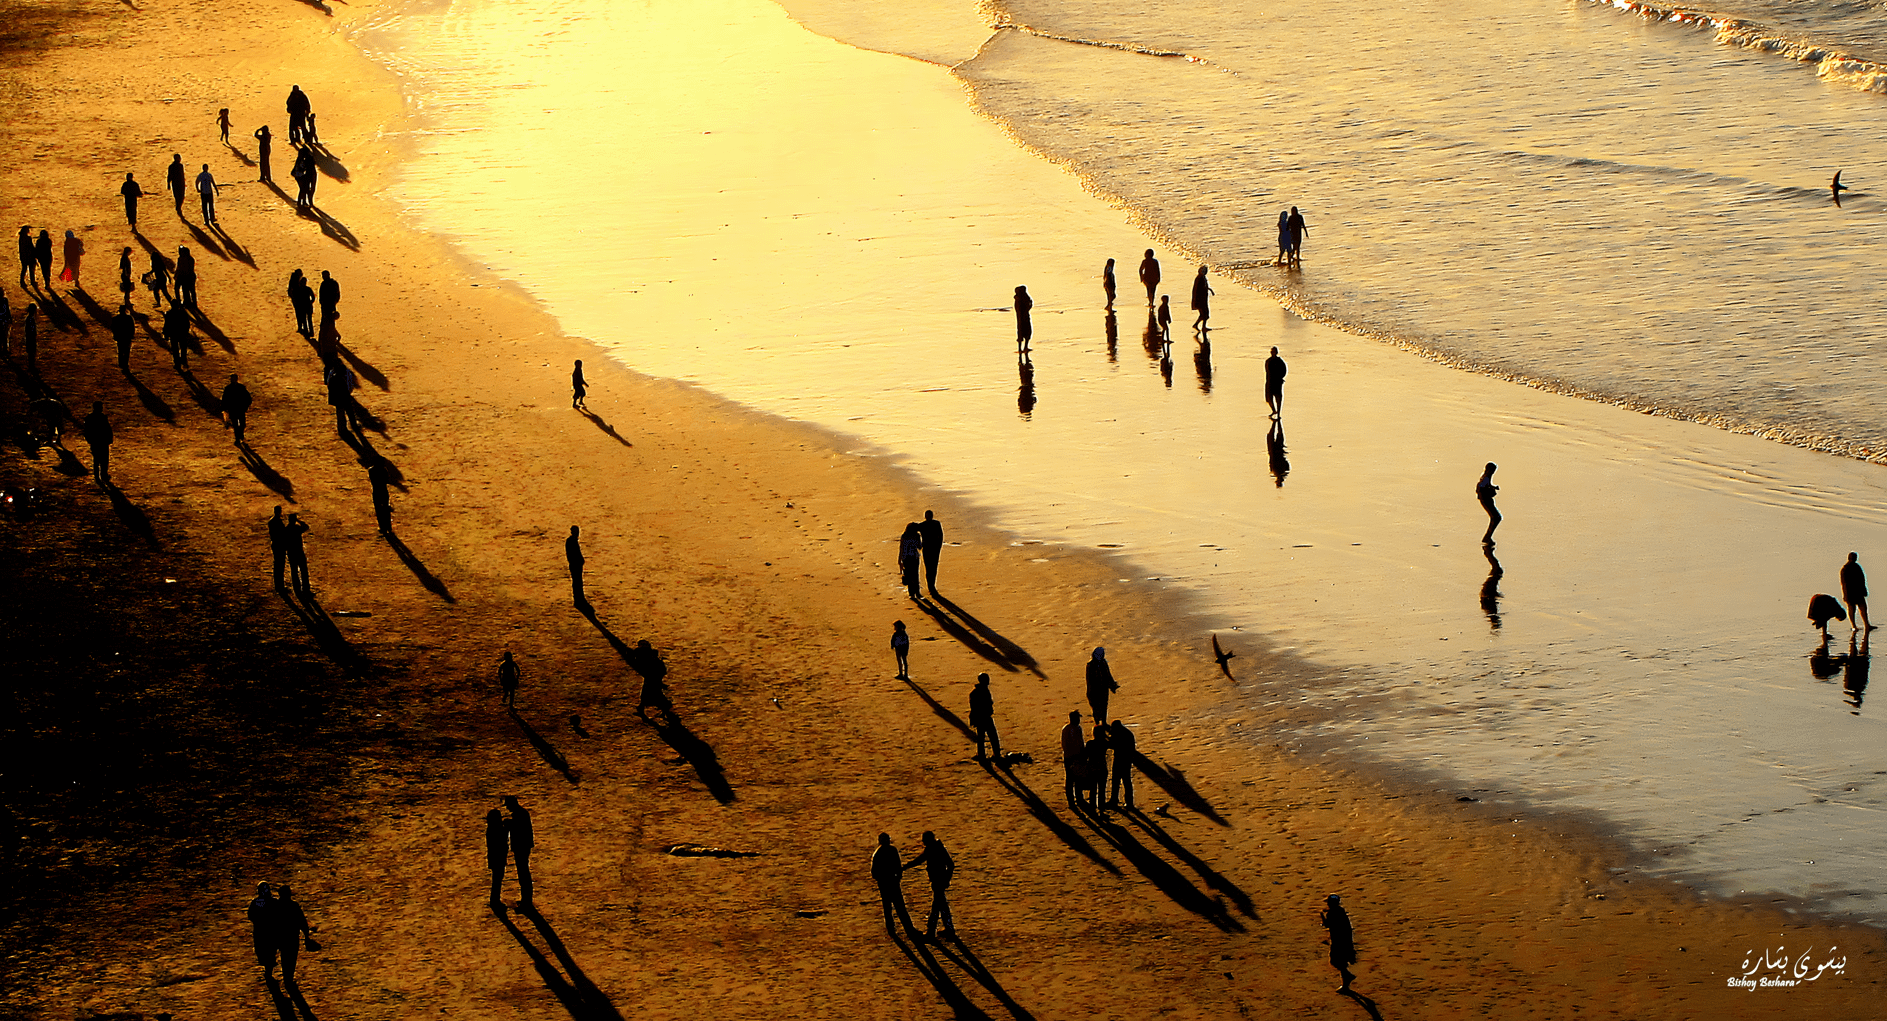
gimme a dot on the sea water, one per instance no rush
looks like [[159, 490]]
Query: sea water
[[1626, 205]]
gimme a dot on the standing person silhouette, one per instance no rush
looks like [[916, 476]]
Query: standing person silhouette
[[294, 532], [1150, 275], [303, 173], [206, 194], [1025, 326], [177, 335], [579, 387], [379, 478], [175, 178], [497, 850], [302, 299], [278, 545], [1854, 593], [1165, 316], [27, 260], [132, 192], [1295, 230], [1107, 282], [523, 840], [508, 683], [264, 141], [262, 929], [1095, 776], [222, 124], [158, 279], [1284, 238], [910, 553], [186, 278], [1201, 300], [1274, 383], [236, 401], [123, 332], [298, 107], [291, 927], [888, 872], [97, 430], [930, 530], [74, 253], [1125, 757], [983, 719], [1342, 939], [125, 286], [1074, 761], [1484, 491], [648, 665], [940, 868], [901, 648], [330, 297], [573, 554], [42, 253], [1100, 683]]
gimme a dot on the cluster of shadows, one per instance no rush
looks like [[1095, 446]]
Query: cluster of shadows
[[562, 976], [977, 636], [290, 1005], [935, 959]]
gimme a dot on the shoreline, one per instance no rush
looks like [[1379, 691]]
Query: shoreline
[[626, 911]]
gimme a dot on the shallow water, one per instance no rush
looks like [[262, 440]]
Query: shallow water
[[717, 195]]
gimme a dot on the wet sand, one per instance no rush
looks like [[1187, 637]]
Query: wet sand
[[755, 554]]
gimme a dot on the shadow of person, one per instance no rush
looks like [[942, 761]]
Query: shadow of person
[[1490, 589], [326, 635], [132, 515], [326, 162], [300, 1002], [205, 241], [264, 473], [426, 578], [1111, 326], [1009, 650], [70, 467], [152, 403], [962, 634], [545, 749], [960, 954], [1177, 787], [235, 250], [608, 429], [572, 988], [1823, 666], [1045, 815], [960, 1004], [1363, 1001], [1213, 879], [284, 1007], [1161, 874], [1274, 451], [943, 712], [697, 753]]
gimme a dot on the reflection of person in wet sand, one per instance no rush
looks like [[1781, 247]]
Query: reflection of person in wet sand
[[1490, 589], [1484, 491]]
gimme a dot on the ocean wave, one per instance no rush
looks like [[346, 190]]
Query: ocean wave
[[1831, 64], [1005, 21]]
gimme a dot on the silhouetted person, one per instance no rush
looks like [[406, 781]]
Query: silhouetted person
[[132, 192], [1025, 326], [278, 545], [310, 133], [1107, 283], [648, 665], [1274, 383], [303, 173], [1294, 231], [206, 194], [42, 253], [1835, 187], [186, 277], [1342, 939], [508, 681], [177, 336], [302, 298], [1074, 761], [930, 530], [97, 430], [1854, 592], [262, 929], [298, 107], [236, 402], [888, 872], [74, 252], [123, 332], [291, 927], [29, 336], [1284, 238], [940, 867], [1823, 608], [1125, 758], [1275, 452], [264, 141], [379, 479], [176, 177], [910, 554], [983, 718], [125, 286], [1100, 683], [1165, 316], [340, 383], [573, 554], [6, 326], [901, 648], [27, 261], [1202, 293], [497, 850], [523, 839], [579, 387], [1490, 589], [158, 279], [1095, 775], [1484, 491], [294, 532], [1150, 275], [222, 124], [330, 296]]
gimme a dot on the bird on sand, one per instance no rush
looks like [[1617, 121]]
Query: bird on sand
[[1835, 187], [1222, 656]]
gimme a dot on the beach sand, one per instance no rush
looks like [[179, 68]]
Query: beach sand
[[184, 733]]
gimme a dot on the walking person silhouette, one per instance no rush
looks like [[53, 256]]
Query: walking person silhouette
[[1484, 491], [42, 253], [27, 260], [1101, 683], [648, 665], [298, 107], [1342, 939], [175, 176], [901, 648], [1107, 283], [262, 930], [1854, 593], [206, 194], [887, 870], [1074, 762], [294, 531], [278, 545], [508, 683], [186, 278], [97, 430], [941, 868], [1150, 275], [1201, 300], [1025, 326], [1274, 383], [291, 928], [523, 840], [931, 532], [1121, 740], [579, 388], [910, 549], [264, 141], [132, 192], [236, 402], [983, 719], [573, 554], [497, 846], [74, 253]]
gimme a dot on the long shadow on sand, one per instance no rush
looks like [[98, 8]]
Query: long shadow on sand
[[963, 634], [1177, 787], [328, 339], [205, 241], [928, 964], [132, 515], [570, 985], [668, 726], [1214, 880], [290, 1005], [1010, 651], [943, 713], [334, 229], [413, 564], [154, 404], [1047, 817], [326, 635], [545, 749], [608, 430], [264, 472], [1156, 870]]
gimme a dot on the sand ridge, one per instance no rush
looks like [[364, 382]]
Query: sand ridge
[[758, 556]]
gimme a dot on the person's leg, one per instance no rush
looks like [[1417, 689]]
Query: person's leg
[[497, 880], [524, 877], [291, 951]]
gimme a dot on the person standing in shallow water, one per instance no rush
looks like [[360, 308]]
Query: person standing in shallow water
[[1150, 275], [1854, 593], [1025, 326], [1294, 231], [1484, 491], [1342, 939]]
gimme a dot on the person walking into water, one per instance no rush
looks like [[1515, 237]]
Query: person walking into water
[[941, 868], [1025, 326], [887, 870], [573, 555], [523, 840], [508, 679], [1274, 383], [1854, 593], [1100, 683], [901, 648], [1484, 491], [1294, 231], [132, 192], [1150, 275], [1202, 293], [983, 719], [931, 532], [497, 848], [1342, 939], [579, 387], [1284, 238]]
